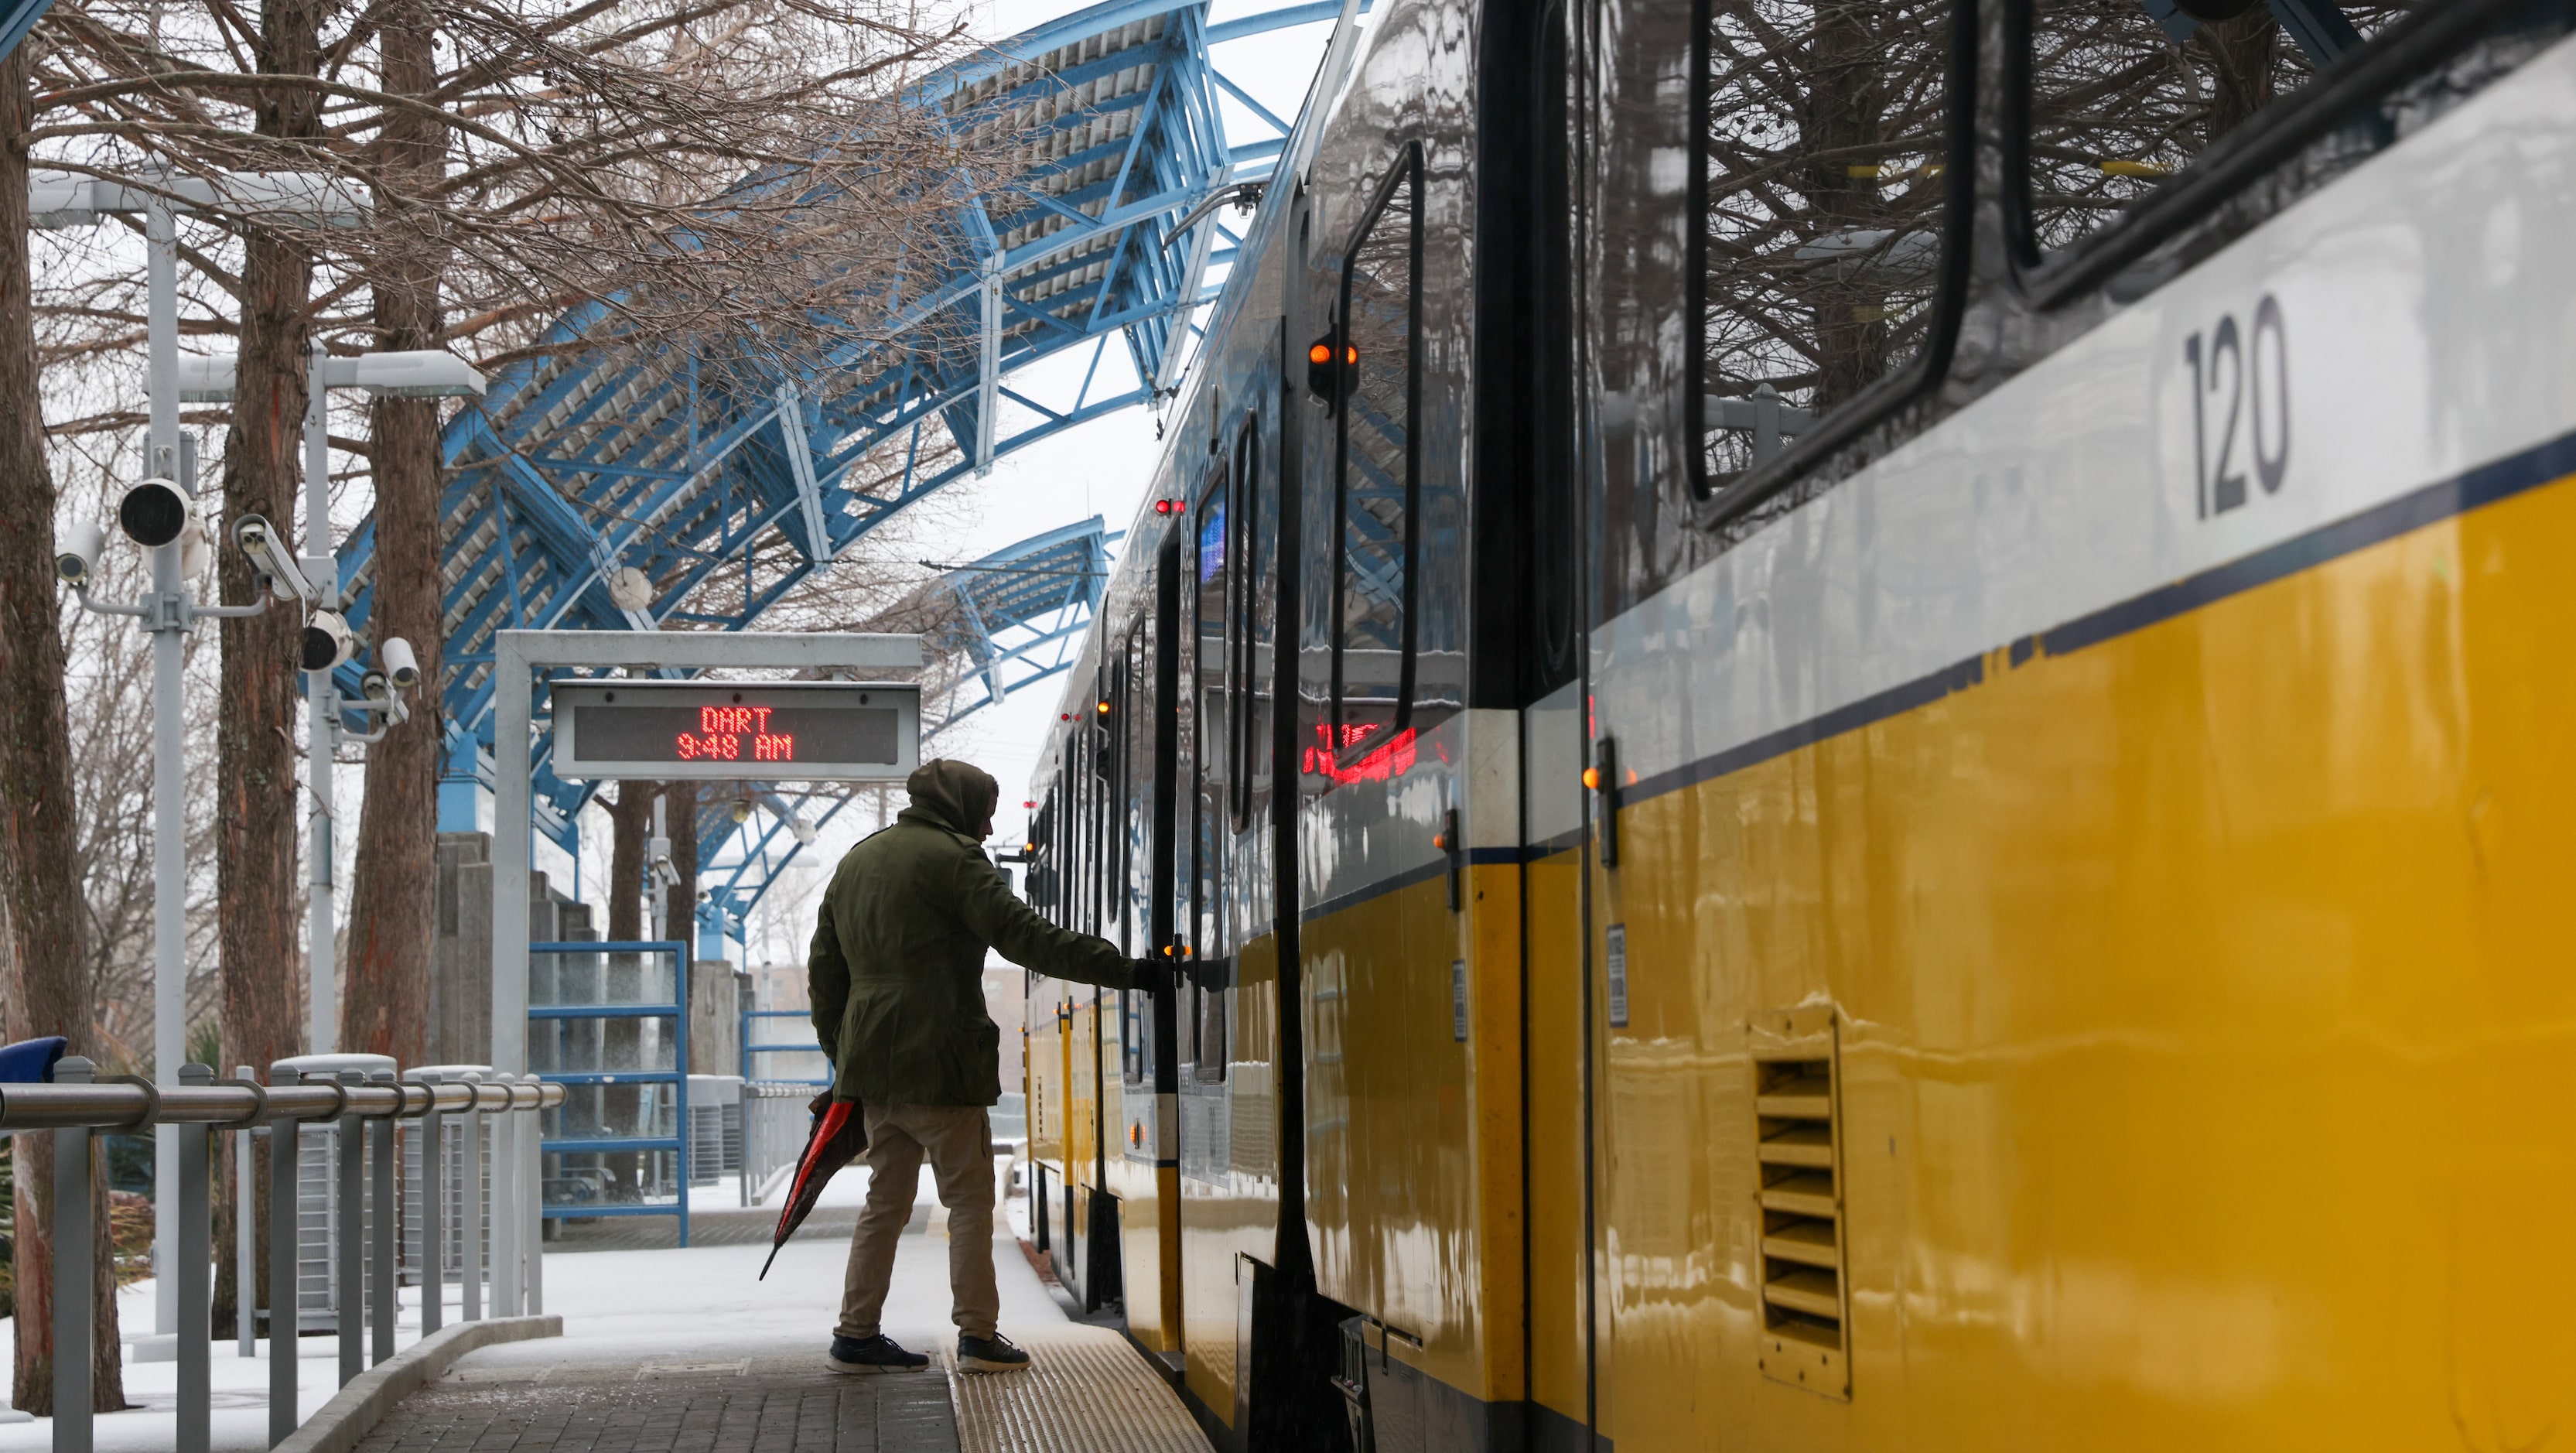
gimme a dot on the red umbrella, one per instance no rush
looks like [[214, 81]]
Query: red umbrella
[[840, 1133]]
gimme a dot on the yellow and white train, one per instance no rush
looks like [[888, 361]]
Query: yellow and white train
[[1859, 720]]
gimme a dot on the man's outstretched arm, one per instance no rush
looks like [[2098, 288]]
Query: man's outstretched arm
[[986, 905]]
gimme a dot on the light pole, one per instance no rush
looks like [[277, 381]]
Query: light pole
[[59, 200], [426, 373]]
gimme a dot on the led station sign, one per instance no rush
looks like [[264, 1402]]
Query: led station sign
[[800, 731]]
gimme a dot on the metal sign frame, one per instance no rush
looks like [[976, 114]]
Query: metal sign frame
[[516, 656], [573, 763]]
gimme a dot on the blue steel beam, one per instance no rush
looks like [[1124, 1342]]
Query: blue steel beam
[[581, 463]]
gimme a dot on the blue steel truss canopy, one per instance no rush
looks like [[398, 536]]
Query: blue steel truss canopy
[[599, 489], [1010, 619], [1015, 616]]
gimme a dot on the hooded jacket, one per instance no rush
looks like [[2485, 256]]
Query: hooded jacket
[[896, 968]]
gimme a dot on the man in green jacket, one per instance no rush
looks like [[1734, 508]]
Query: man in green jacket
[[897, 976]]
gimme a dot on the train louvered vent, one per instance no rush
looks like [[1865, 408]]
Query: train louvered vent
[[1804, 1306]]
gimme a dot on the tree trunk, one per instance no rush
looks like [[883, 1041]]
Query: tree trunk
[[261, 960], [680, 817], [38, 838], [393, 899], [630, 822]]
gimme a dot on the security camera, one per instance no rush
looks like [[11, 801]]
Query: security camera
[[259, 542], [327, 641], [400, 666], [154, 513], [77, 561], [374, 687]]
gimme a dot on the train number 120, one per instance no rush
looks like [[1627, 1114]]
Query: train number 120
[[2240, 407]]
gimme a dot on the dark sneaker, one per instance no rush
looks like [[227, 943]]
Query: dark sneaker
[[989, 1354], [880, 1353]]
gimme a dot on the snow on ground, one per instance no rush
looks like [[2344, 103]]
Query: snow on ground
[[615, 1304]]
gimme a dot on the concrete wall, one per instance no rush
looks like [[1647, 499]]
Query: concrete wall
[[718, 993], [460, 976], [460, 979]]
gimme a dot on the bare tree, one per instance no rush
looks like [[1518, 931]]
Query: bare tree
[[38, 841], [391, 907], [630, 817], [734, 189]]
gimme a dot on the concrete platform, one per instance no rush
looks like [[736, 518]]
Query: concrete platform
[[688, 1352], [670, 1351]]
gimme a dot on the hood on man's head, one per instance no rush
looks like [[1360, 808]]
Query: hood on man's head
[[959, 793]]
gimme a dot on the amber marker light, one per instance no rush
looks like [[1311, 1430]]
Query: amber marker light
[[1320, 353], [1592, 779], [1103, 708]]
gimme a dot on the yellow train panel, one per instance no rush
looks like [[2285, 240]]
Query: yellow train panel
[[1555, 1141], [1149, 1249], [2207, 1054], [1224, 1221], [1042, 1043], [1082, 1089], [1413, 1151]]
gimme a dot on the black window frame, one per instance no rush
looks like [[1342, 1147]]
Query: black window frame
[[1407, 172], [1716, 509], [2407, 48], [1204, 864], [1244, 586]]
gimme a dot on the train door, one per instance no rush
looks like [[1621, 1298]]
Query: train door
[[1409, 845], [1531, 557], [1204, 940], [1229, 1207], [1141, 1165]]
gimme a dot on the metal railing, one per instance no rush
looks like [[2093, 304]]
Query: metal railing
[[363, 1110], [775, 1121], [582, 990], [806, 1046]]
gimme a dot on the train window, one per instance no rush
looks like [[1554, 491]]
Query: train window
[[2119, 99], [1249, 739], [1209, 723], [1208, 1035], [1379, 491], [1131, 715], [1077, 832], [1131, 1020], [1821, 193]]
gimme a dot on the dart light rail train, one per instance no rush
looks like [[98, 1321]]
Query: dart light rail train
[[1856, 721]]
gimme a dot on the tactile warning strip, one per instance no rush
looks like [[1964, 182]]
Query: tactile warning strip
[[1086, 1390]]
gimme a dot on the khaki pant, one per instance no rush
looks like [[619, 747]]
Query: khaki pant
[[958, 1139]]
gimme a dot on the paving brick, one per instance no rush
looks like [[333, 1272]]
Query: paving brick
[[673, 1408]]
